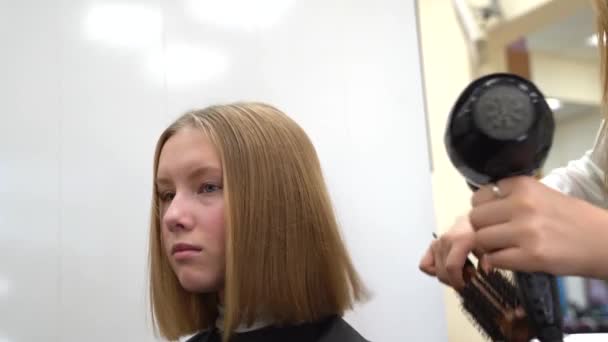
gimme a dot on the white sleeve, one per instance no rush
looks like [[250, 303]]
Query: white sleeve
[[584, 178]]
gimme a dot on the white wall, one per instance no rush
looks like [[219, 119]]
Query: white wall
[[85, 91]]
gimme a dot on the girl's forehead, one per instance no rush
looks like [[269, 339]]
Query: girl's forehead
[[189, 152]]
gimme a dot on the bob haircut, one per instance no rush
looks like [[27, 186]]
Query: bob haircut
[[285, 257]]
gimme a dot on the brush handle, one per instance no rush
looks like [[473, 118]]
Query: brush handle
[[539, 295]]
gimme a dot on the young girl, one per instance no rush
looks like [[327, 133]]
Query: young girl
[[244, 244]]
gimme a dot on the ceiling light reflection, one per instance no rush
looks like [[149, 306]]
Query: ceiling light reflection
[[124, 25], [242, 15], [186, 64]]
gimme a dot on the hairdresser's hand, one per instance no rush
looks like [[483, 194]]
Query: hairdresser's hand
[[446, 255], [530, 227]]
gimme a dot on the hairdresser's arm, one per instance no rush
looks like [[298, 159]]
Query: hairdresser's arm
[[584, 178], [581, 178], [558, 226], [535, 228]]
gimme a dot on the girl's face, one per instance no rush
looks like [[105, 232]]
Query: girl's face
[[189, 183]]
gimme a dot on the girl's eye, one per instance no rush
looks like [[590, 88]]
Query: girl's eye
[[209, 188], [166, 196]]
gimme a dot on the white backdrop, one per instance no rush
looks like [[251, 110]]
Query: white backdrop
[[87, 86]]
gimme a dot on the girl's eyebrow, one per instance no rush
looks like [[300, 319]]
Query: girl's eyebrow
[[195, 173]]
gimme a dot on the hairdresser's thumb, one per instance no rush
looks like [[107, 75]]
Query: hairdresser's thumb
[[427, 263]]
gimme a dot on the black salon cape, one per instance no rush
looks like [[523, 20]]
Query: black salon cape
[[333, 329]]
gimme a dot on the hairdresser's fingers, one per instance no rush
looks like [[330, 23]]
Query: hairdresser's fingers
[[485, 263], [491, 192], [490, 214], [455, 263], [478, 252], [440, 249], [497, 237], [511, 259], [427, 263], [482, 259]]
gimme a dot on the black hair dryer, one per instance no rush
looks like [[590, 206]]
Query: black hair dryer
[[501, 126]]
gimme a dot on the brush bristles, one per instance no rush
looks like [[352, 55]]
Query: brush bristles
[[483, 312], [491, 302], [506, 288]]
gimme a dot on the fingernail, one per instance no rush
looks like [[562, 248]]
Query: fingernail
[[485, 265]]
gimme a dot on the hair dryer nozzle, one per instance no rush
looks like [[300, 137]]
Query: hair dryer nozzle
[[500, 126]]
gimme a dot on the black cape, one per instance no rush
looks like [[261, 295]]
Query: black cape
[[333, 329]]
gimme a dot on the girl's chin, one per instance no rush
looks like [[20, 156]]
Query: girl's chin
[[197, 282]]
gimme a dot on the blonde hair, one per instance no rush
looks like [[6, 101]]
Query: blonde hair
[[601, 21], [284, 253]]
